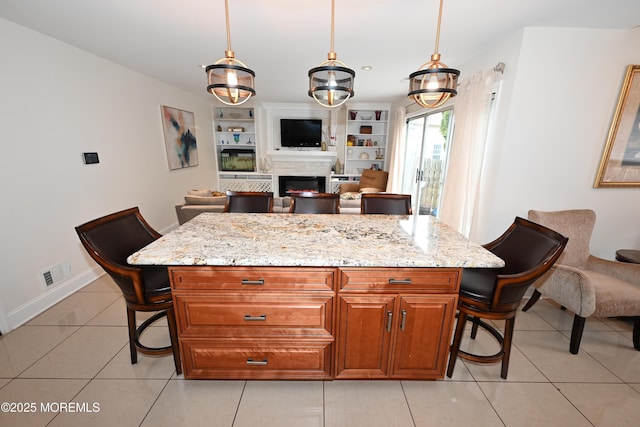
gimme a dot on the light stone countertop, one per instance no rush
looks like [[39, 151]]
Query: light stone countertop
[[232, 239]]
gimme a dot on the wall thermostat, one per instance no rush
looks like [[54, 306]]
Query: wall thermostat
[[90, 158]]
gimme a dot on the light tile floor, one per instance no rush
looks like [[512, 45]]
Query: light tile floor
[[77, 352]]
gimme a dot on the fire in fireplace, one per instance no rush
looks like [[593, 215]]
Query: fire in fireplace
[[288, 185]]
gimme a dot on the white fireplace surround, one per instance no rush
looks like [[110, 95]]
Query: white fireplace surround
[[302, 163]]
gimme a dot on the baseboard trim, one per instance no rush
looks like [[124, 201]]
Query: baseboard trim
[[31, 309]]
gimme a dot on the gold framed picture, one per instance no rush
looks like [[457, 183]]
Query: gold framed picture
[[620, 164]]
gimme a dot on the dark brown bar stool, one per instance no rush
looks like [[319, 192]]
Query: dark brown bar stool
[[528, 250], [315, 203], [385, 203], [249, 202], [110, 240]]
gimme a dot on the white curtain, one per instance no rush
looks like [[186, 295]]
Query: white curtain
[[398, 150], [462, 185]]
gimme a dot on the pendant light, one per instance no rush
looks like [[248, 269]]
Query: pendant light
[[331, 83], [230, 81], [434, 83]]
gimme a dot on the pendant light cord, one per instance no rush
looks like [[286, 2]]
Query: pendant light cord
[[333, 6], [438, 29], [226, 12]]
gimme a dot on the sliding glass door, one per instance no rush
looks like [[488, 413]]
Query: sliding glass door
[[428, 143]]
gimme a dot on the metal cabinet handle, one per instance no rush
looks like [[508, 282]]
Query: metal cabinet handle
[[403, 319], [393, 281], [262, 317], [389, 320], [262, 362], [253, 282]]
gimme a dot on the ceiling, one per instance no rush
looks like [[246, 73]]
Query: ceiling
[[282, 39]]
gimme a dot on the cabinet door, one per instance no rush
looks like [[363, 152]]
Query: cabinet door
[[424, 333], [364, 336]]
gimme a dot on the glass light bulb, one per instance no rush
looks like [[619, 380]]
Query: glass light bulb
[[232, 77], [232, 80], [433, 82], [332, 79]]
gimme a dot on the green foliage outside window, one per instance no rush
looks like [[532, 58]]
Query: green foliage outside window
[[444, 124]]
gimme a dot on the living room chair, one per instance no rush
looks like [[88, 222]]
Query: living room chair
[[528, 250], [110, 240], [585, 284], [371, 180], [249, 202], [315, 203], [385, 203]]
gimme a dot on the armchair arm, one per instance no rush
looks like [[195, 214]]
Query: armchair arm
[[620, 270], [349, 187], [569, 287]]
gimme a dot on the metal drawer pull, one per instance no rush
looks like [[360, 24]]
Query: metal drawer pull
[[262, 362], [403, 319], [393, 281], [389, 320], [262, 317], [253, 282]]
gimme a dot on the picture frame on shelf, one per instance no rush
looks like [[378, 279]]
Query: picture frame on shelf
[[179, 129], [620, 163]]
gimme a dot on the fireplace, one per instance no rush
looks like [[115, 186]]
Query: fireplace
[[288, 185]]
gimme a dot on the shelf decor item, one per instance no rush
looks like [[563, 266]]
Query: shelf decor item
[[331, 83], [229, 79], [434, 83]]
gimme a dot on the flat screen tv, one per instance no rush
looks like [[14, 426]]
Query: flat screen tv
[[300, 132]]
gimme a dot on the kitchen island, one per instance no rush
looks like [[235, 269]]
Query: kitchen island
[[285, 296]]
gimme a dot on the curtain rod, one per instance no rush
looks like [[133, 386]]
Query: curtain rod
[[499, 67]]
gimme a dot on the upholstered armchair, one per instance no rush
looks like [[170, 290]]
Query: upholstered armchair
[[584, 283], [370, 181]]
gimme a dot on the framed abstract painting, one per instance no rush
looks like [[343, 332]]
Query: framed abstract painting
[[620, 164], [179, 137]]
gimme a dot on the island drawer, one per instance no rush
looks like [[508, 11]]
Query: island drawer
[[257, 359], [251, 315], [440, 280], [253, 278]]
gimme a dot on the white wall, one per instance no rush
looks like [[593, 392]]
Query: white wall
[[557, 102], [56, 102]]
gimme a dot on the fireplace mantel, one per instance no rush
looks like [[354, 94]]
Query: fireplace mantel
[[302, 156]]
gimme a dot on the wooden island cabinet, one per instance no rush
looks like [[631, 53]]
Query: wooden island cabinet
[[255, 322], [281, 296], [395, 323]]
